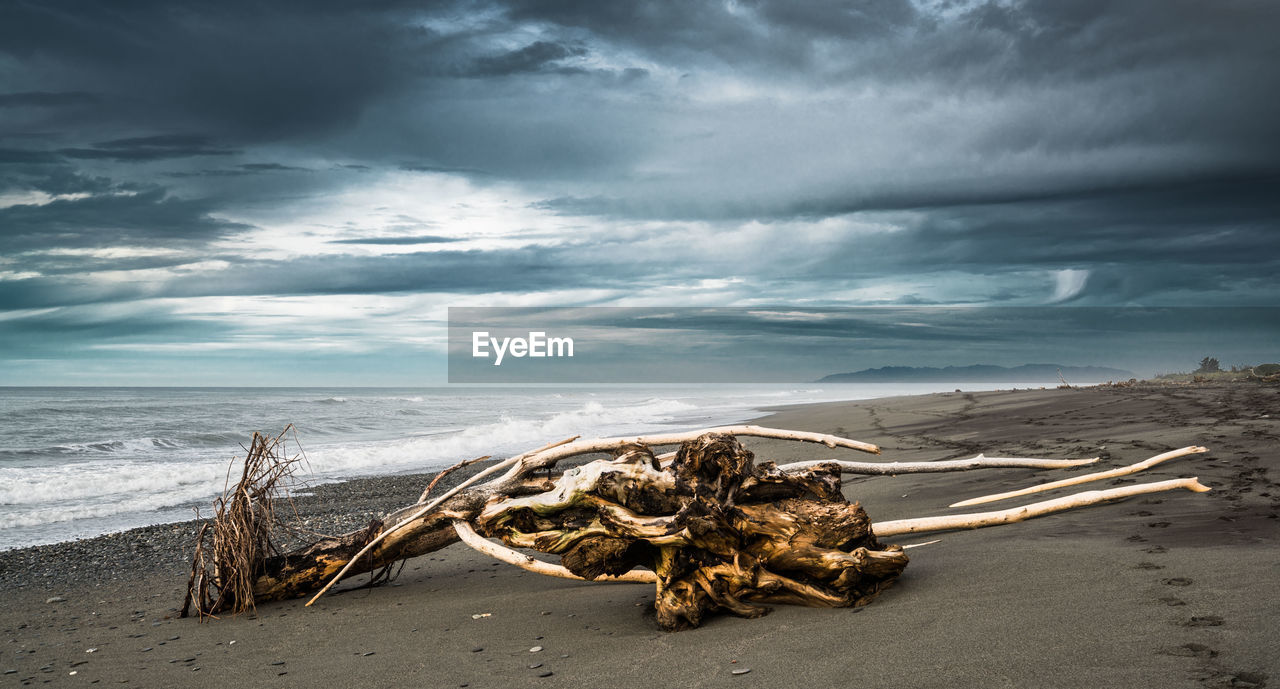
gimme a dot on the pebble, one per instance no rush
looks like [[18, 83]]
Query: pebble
[[546, 673], [55, 599], [741, 671], [535, 649], [477, 649], [369, 653], [278, 662], [535, 666]]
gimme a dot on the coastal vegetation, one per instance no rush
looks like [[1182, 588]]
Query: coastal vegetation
[[1210, 370]]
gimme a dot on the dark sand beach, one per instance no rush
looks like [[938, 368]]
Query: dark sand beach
[[1173, 590]]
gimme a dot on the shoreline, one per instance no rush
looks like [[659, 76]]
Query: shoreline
[[378, 485], [1019, 604]]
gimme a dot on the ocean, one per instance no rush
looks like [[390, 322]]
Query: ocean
[[79, 462]]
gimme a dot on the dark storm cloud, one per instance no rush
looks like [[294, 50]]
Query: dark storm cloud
[[303, 69], [413, 167], [143, 148], [24, 156], [1151, 74], [46, 99], [534, 57], [71, 265], [270, 167], [81, 323], [458, 272], [777, 33], [305, 73], [1132, 148], [188, 174], [238, 70], [52, 176], [146, 218], [1232, 221], [63, 333], [241, 170]]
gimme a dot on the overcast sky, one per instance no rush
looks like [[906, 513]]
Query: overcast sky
[[293, 192]]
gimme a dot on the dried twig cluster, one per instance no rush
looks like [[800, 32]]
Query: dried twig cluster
[[231, 549]]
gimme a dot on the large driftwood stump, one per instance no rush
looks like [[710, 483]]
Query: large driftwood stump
[[734, 535], [711, 528]]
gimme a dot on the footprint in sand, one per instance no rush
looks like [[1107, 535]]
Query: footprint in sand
[[1236, 680], [1171, 601], [1177, 581], [1189, 651], [1204, 621], [1155, 549], [1159, 525], [1148, 565]]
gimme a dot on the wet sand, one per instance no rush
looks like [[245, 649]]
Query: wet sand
[[1171, 590]]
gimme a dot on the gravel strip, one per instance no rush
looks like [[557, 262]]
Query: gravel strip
[[331, 508]]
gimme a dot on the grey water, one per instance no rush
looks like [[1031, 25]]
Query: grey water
[[78, 462]]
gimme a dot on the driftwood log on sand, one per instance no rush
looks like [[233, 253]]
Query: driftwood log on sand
[[712, 529]]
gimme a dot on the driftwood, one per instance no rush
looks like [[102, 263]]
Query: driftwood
[[712, 529], [1087, 478]]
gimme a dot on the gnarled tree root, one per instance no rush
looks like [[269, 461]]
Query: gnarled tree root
[[734, 535]]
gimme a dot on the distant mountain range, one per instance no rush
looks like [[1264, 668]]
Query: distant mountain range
[[1026, 373]]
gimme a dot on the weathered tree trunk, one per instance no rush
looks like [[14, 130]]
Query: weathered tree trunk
[[303, 571]]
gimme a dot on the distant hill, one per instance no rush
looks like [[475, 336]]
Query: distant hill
[[1027, 373]]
